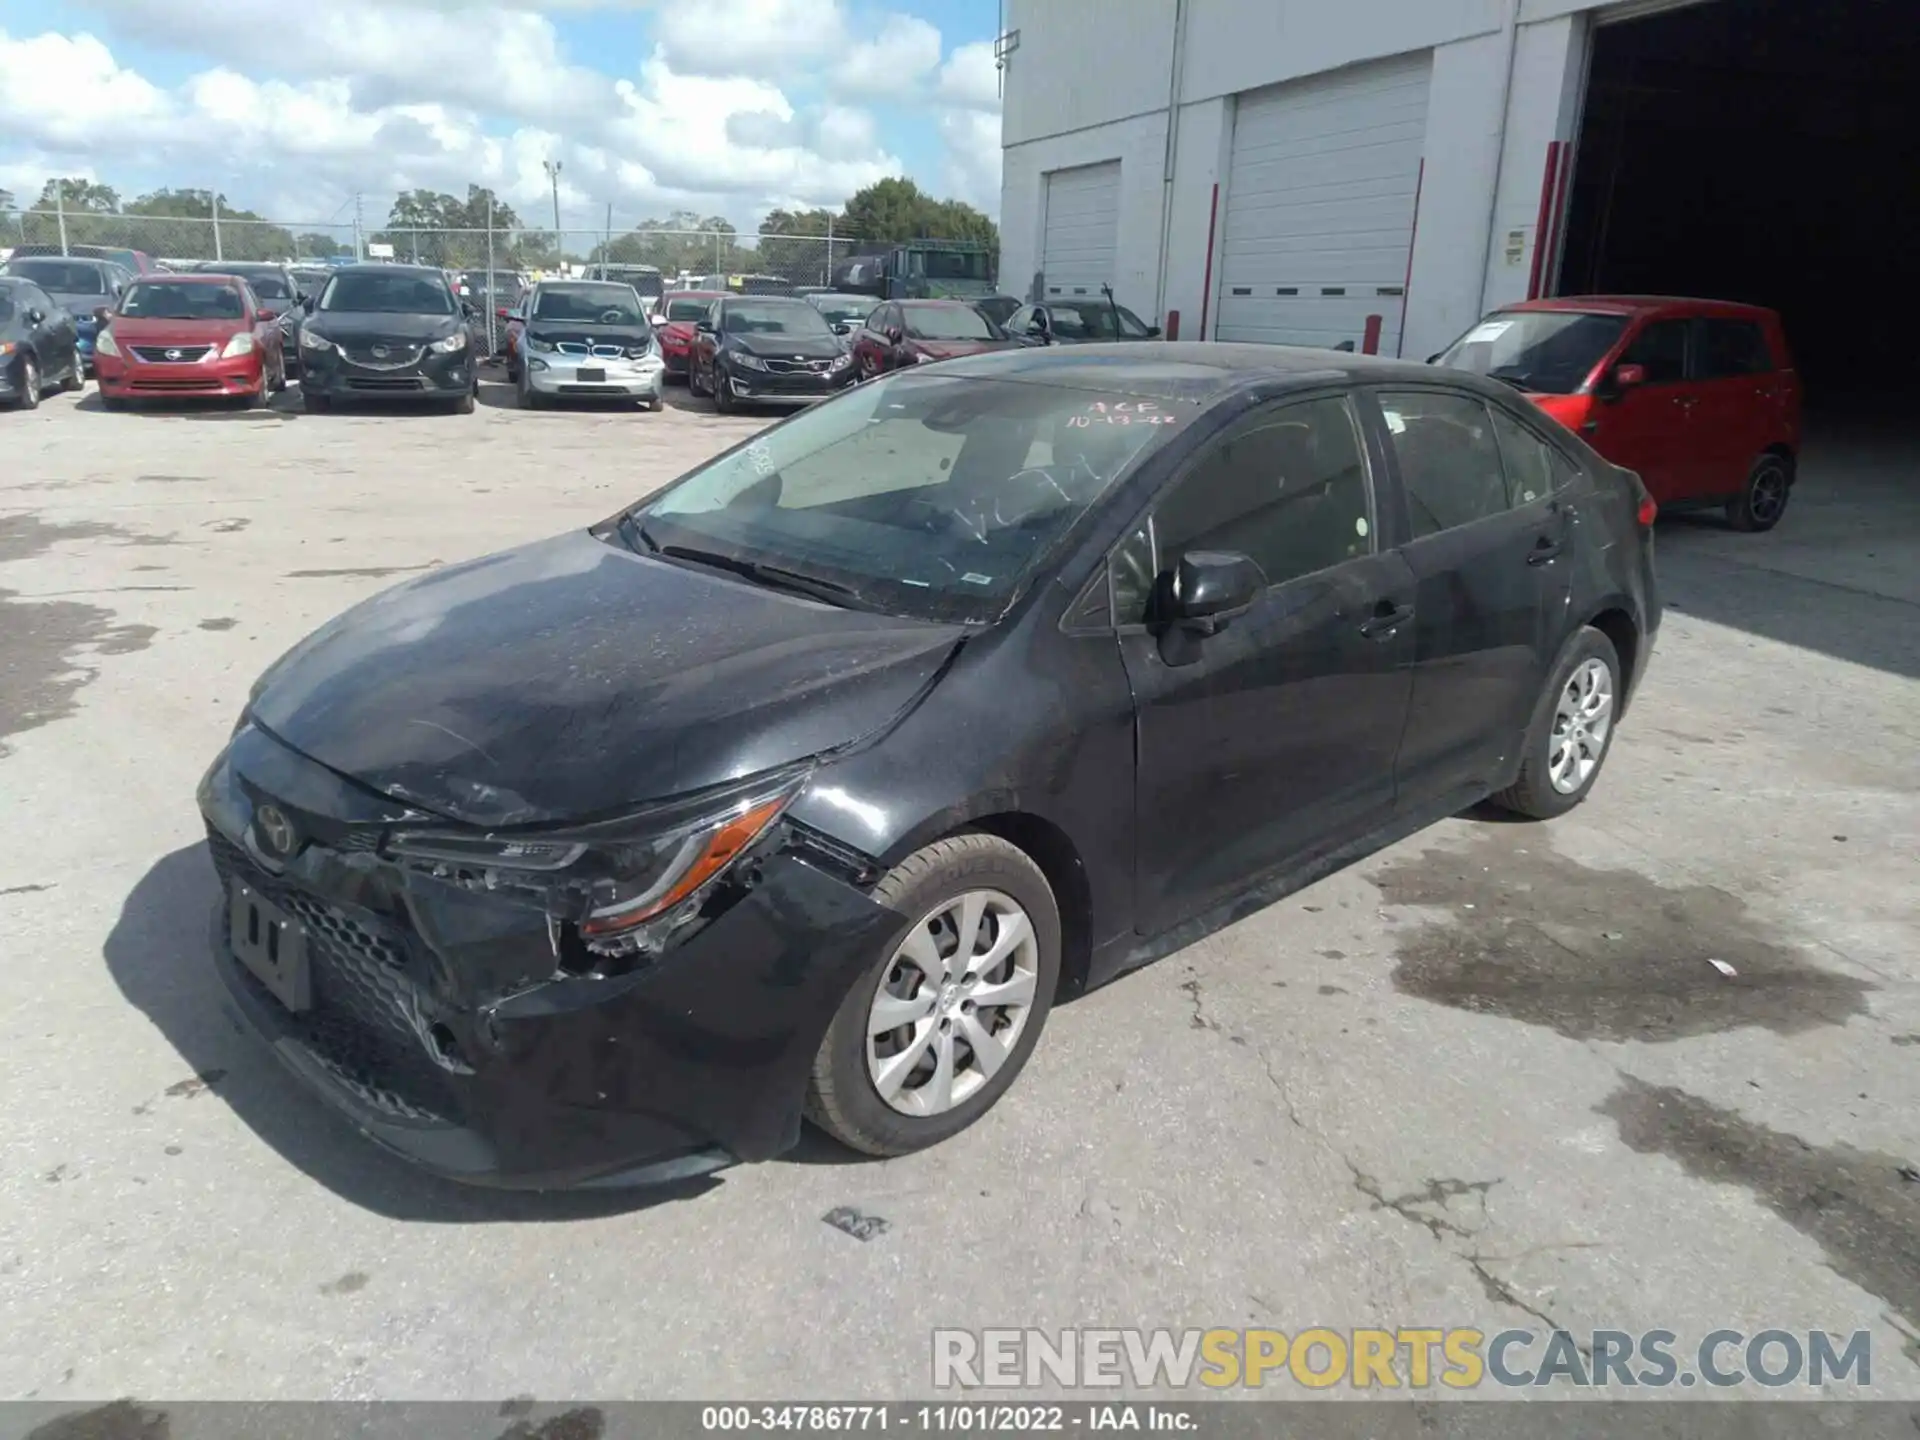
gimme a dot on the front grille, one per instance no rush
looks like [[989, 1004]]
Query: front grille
[[799, 367], [173, 354], [397, 357], [361, 1025], [382, 382], [209, 383], [598, 352]]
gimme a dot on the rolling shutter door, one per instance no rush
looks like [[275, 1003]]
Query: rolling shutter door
[[1321, 193], [1083, 229]]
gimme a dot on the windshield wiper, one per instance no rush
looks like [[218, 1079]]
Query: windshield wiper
[[1512, 375], [776, 577]]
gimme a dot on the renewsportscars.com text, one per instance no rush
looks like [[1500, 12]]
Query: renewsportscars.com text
[[1367, 1359]]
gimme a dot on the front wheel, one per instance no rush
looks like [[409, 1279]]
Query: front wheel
[[1571, 732], [76, 380], [721, 391], [29, 385], [936, 1030], [464, 405], [1763, 499]]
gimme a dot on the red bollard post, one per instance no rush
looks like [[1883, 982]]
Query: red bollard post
[[1370, 342]]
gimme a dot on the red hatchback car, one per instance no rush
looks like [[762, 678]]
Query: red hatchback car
[[1697, 397], [189, 335], [913, 332], [674, 316]]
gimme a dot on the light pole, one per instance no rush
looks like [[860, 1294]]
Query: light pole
[[553, 179]]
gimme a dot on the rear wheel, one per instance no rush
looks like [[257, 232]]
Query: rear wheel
[[936, 1030], [1571, 733], [1763, 499]]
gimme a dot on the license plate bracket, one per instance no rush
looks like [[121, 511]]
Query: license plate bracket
[[272, 945], [591, 375]]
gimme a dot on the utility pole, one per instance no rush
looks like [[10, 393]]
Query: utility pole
[[552, 168], [215, 194], [606, 246], [826, 277], [60, 211], [359, 247]]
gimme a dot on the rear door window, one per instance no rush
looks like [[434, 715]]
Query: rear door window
[[1723, 349], [1450, 465], [1534, 468]]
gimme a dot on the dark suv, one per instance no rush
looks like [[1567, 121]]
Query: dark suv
[[387, 332], [753, 349]]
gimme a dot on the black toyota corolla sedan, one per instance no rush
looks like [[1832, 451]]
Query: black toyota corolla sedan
[[386, 332], [805, 787]]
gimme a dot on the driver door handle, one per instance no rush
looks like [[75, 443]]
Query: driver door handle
[[1545, 549], [1387, 617]]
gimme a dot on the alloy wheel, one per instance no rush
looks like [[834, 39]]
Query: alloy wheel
[[29, 383], [1767, 494], [952, 1003], [1582, 718]]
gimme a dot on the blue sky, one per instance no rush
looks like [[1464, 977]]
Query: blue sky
[[290, 107]]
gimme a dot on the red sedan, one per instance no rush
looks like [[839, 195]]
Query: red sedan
[[189, 335], [913, 332], [675, 315], [1700, 398]]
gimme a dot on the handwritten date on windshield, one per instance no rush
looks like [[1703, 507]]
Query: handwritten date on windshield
[[1120, 412]]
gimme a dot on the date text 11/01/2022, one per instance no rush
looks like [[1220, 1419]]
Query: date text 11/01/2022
[[948, 1419]]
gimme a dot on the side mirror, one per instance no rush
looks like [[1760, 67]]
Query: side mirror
[[656, 320], [895, 334], [1037, 328], [1434, 358], [842, 327], [705, 327], [1153, 332], [1625, 377], [1210, 588]]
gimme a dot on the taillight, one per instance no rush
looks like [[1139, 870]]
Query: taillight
[[1647, 513]]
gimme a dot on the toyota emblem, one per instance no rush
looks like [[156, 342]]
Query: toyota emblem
[[379, 352], [275, 830], [173, 354]]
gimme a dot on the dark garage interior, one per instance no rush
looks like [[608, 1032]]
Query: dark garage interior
[[1762, 150]]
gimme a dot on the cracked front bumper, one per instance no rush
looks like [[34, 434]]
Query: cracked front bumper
[[695, 1060]]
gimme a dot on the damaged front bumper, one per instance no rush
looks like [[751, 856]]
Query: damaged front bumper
[[445, 1024]]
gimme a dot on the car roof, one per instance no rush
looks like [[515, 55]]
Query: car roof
[[70, 259], [586, 284], [424, 272], [1199, 371], [1640, 305], [840, 295], [768, 299], [236, 267], [191, 277], [942, 304]]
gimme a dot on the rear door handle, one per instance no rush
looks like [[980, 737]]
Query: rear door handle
[[1545, 549], [1387, 617]]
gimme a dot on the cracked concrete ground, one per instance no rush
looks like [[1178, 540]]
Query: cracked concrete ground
[[1498, 1075]]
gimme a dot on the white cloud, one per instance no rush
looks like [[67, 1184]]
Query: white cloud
[[762, 38], [972, 173], [894, 64], [970, 78]]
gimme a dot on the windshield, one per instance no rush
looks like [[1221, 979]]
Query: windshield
[[837, 310], [589, 304], [397, 294], [763, 285], [180, 300], [63, 277], [948, 264], [999, 309], [948, 322], [1551, 352], [689, 309], [270, 287], [796, 318], [928, 496], [1094, 321]]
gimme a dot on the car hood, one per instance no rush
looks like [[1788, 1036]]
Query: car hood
[[952, 349], [79, 305], [376, 325], [791, 347], [154, 331], [636, 335], [570, 678]]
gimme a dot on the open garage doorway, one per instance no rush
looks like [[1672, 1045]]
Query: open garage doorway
[[1762, 150]]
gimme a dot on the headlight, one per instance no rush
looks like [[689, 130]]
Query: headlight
[[103, 344], [457, 341], [639, 352], [746, 361], [625, 884], [840, 362], [311, 341], [241, 344], [539, 347]]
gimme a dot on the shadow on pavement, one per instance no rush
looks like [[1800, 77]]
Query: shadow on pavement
[[1840, 575], [157, 954], [284, 406]]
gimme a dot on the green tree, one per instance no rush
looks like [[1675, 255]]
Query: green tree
[[890, 211], [435, 228], [684, 240], [181, 223], [312, 245], [793, 243], [9, 222]]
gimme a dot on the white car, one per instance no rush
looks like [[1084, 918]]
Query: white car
[[584, 338]]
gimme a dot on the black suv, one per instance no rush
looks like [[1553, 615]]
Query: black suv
[[387, 332]]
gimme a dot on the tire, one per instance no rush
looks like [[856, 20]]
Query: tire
[[529, 398], [29, 387], [693, 379], [76, 380], [1763, 499], [723, 400], [1536, 793], [843, 1097], [315, 404], [464, 405], [278, 381]]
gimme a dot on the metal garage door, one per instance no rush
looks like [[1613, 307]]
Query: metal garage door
[[1083, 229], [1320, 205]]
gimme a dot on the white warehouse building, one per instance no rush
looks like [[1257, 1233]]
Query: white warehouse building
[[1385, 171]]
